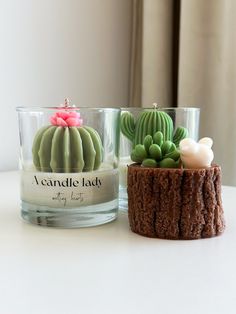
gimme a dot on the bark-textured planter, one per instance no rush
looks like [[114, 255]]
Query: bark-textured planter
[[175, 203]]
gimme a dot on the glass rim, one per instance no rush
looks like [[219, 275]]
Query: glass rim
[[70, 108], [163, 108]]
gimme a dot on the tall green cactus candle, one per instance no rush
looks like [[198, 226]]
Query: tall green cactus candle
[[148, 123]]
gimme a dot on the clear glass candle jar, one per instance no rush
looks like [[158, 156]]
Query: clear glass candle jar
[[181, 116], [69, 165]]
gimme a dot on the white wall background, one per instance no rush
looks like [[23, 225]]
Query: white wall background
[[52, 49]]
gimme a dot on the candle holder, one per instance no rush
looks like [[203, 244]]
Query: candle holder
[[181, 117], [69, 165]]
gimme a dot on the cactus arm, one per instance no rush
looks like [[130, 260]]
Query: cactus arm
[[127, 125], [179, 135]]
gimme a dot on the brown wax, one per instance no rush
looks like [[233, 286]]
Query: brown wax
[[175, 203]]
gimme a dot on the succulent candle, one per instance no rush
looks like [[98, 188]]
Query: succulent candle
[[156, 152], [174, 190], [143, 131], [69, 163]]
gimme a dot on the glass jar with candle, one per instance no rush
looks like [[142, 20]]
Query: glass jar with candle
[[69, 165], [134, 128]]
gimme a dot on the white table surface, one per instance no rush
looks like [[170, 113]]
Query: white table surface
[[109, 269]]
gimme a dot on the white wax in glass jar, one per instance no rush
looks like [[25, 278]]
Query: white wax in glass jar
[[62, 190], [123, 170]]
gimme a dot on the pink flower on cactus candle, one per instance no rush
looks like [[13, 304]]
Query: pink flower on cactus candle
[[66, 119]]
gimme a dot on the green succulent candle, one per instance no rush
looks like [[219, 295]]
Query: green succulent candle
[[156, 152]]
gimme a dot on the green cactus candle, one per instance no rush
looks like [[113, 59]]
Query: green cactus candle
[[66, 145], [148, 123]]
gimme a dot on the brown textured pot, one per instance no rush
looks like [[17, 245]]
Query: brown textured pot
[[175, 203]]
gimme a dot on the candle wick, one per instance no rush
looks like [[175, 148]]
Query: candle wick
[[155, 105], [67, 102]]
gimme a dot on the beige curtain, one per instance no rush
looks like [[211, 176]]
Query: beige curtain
[[206, 67], [151, 56]]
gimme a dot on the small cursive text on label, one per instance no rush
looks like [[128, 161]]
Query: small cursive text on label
[[77, 197], [61, 198]]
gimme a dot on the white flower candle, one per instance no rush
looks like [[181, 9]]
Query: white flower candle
[[196, 155]]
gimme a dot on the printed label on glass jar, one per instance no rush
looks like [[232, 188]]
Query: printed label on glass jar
[[69, 189]]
